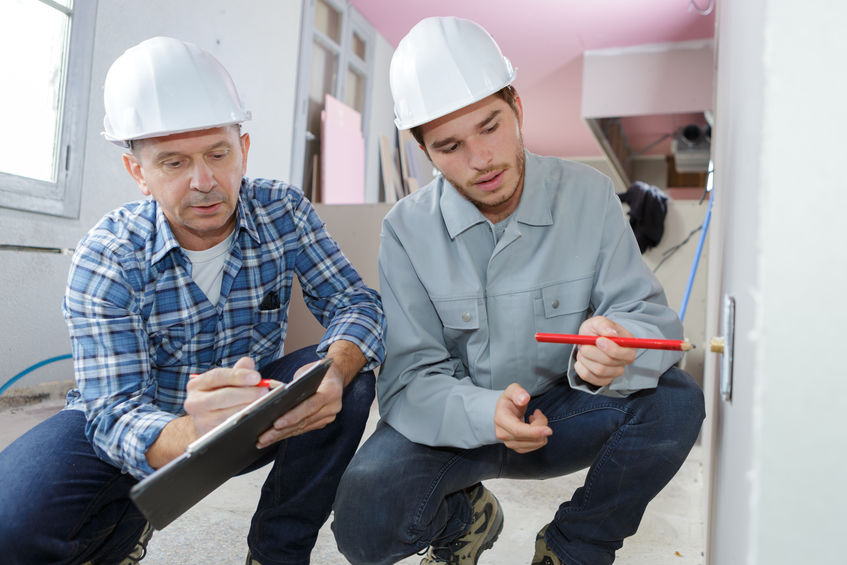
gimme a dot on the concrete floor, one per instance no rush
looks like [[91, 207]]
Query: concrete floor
[[215, 530]]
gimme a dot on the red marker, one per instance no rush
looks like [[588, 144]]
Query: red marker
[[672, 344], [267, 383]]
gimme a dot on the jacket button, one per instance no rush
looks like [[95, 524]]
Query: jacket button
[[466, 317], [555, 304]]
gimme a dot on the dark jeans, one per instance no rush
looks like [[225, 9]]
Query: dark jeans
[[59, 503], [397, 497]]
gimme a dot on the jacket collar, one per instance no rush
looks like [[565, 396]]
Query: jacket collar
[[534, 208]]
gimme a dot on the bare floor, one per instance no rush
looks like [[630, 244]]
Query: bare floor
[[215, 530]]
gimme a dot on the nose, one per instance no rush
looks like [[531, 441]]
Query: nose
[[479, 153], [202, 176]]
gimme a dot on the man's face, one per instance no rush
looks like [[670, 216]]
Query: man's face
[[195, 177], [479, 150]]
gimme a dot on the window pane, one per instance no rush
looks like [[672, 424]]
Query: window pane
[[321, 82], [359, 46], [30, 100], [328, 20], [354, 90]]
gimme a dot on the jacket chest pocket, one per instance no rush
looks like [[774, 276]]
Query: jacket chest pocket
[[563, 305], [460, 319]]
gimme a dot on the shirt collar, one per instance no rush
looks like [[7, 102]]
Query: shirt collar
[[166, 241], [460, 214]]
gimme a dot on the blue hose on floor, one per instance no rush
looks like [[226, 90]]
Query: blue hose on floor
[[696, 261], [30, 369]]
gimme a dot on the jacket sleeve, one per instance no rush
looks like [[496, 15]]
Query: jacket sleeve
[[627, 292], [424, 392]]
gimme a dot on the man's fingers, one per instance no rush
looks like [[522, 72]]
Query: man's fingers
[[517, 394], [230, 399], [225, 377], [244, 363]]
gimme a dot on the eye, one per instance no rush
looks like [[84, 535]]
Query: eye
[[175, 164], [450, 148], [218, 155], [491, 128]]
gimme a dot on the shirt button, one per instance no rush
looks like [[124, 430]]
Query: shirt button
[[555, 304], [466, 317]]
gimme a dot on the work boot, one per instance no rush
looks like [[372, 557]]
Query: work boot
[[140, 549], [486, 525], [543, 554]]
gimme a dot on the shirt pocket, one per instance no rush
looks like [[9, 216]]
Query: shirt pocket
[[460, 319], [562, 306], [267, 331], [167, 345]]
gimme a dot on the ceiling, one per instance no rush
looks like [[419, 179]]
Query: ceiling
[[545, 40]]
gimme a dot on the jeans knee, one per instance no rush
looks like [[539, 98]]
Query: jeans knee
[[362, 519], [16, 535], [682, 406]]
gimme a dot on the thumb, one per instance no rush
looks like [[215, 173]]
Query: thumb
[[517, 395], [244, 363]]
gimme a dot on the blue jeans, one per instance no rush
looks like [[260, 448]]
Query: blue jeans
[[60, 503], [397, 497]]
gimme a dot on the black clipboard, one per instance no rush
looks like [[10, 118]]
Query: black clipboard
[[220, 454]]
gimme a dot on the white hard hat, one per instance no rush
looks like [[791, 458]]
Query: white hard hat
[[164, 86], [444, 64]]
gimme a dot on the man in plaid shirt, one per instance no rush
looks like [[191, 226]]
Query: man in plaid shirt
[[193, 281]]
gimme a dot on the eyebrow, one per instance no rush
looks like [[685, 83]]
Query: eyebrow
[[164, 155], [481, 125]]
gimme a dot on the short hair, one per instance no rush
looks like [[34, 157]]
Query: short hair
[[508, 94]]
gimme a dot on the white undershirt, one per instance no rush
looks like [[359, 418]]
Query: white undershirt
[[207, 268]]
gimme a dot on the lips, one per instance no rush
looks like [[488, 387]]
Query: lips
[[490, 181], [206, 208]]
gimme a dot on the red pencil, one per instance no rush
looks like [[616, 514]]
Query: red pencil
[[267, 383], [674, 344]]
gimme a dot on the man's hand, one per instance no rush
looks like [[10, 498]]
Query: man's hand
[[314, 413], [602, 363], [212, 398], [217, 394], [509, 424], [320, 409]]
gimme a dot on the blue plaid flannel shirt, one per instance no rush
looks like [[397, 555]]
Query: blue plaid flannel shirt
[[139, 326]]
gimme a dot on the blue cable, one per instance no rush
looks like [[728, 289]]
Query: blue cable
[[696, 261], [28, 370]]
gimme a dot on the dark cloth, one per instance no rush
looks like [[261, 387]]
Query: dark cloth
[[648, 206]]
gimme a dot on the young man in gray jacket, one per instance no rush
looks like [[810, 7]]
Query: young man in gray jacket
[[501, 245]]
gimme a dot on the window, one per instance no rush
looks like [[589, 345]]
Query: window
[[46, 69], [336, 58]]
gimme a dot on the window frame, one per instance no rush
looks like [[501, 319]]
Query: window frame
[[351, 21], [62, 197]]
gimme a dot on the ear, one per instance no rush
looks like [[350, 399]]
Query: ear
[[134, 169], [245, 148], [519, 108]]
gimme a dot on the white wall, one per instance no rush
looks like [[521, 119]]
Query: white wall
[[780, 456], [666, 78]]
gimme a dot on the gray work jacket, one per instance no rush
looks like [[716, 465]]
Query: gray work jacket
[[462, 310]]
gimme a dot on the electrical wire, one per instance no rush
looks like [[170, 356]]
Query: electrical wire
[[651, 145], [671, 250], [699, 252], [30, 369]]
